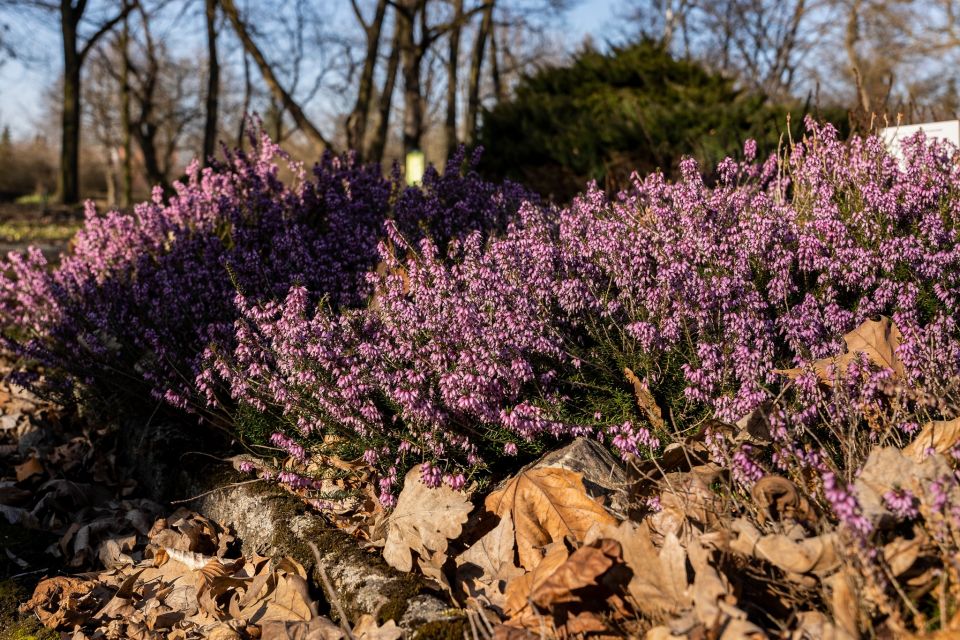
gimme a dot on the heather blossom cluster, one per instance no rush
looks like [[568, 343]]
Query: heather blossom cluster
[[141, 296], [462, 323], [702, 291]]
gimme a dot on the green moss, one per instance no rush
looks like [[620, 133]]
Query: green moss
[[453, 629]]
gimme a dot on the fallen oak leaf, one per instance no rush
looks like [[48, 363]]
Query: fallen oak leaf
[[546, 505], [423, 521]]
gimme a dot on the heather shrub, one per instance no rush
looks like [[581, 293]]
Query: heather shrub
[[135, 303], [701, 291]]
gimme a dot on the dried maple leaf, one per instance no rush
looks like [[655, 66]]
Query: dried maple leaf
[[938, 435], [546, 504], [877, 339], [423, 521]]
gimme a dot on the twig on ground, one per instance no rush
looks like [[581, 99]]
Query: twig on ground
[[335, 599], [214, 490]]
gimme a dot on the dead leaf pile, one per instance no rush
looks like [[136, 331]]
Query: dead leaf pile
[[187, 586]]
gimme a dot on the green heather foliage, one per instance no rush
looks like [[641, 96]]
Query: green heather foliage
[[635, 108]]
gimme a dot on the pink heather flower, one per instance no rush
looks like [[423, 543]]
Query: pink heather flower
[[245, 466], [902, 503], [845, 505], [431, 475], [510, 449], [745, 470]]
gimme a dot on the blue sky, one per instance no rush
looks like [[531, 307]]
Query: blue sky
[[22, 86]]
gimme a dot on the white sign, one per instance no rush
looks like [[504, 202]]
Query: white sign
[[948, 131]]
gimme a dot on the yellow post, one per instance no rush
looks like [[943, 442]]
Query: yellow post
[[414, 167]]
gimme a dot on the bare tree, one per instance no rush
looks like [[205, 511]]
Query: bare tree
[[75, 50], [453, 63], [213, 82], [280, 94], [379, 140], [359, 117], [476, 68]]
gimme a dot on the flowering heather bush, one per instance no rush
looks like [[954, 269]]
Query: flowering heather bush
[[140, 296], [701, 291]]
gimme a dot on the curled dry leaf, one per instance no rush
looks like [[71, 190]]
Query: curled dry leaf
[[818, 555], [584, 569], [62, 602], [778, 498], [877, 339], [546, 504], [938, 435], [519, 589], [423, 521]]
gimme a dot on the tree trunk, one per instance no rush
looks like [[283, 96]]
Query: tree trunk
[[357, 121], [411, 57], [69, 183], [287, 101], [498, 90], [126, 128], [453, 59], [213, 84], [247, 95], [379, 141], [851, 37], [476, 67]]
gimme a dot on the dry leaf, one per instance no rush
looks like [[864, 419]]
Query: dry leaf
[[423, 521], [645, 400], [582, 569], [367, 628], [546, 504], [939, 435], [659, 583], [817, 555], [778, 498], [487, 566], [844, 602], [519, 589], [29, 468], [62, 601], [877, 339]]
